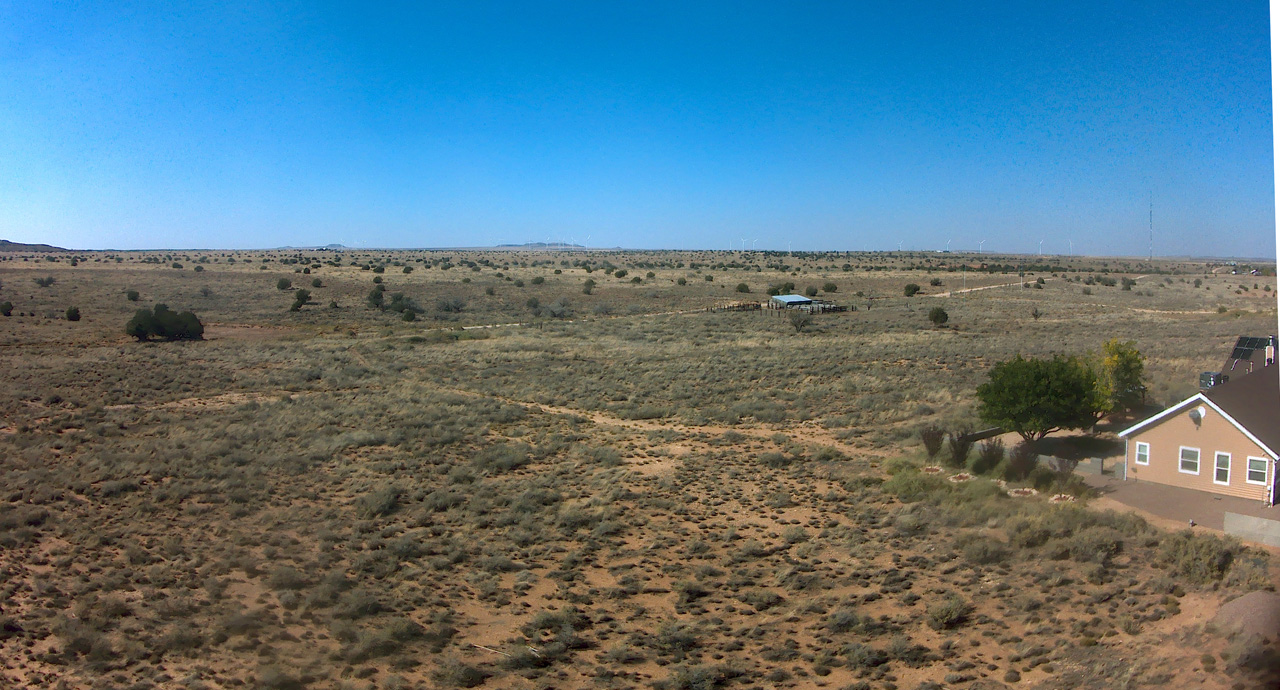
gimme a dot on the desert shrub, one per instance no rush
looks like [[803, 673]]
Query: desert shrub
[[985, 551], [381, 501], [164, 323], [73, 313], [284, 284], [799, 320], [775, 460], [1096, 544], [959, 444], [829, 287], [300, 299], [317, 283], [1200, 558], [605, 457], [910, 485], [742, 287], [286, 578], [674, 639], [935, 282], [455, 674], [131, 295], [932, 436], [6, 308], [948, 614], [450, 305], [938, 316], [910, 289], [990, 454], [861, 656], [45, 281], [844, 620], [761, 599]]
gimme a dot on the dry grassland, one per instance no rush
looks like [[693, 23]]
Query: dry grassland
[[529, 486]]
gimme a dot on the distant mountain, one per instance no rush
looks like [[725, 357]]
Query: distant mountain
[[7, 246]]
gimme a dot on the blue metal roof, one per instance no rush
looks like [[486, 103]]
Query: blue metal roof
[[793, 299]]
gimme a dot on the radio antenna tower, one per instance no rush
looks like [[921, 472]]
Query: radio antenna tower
[[1151, 225]]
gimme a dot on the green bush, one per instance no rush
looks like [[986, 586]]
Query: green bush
[[959, 444], [985, 552], [73, 313], [300, 299], [1200, 558], [45, 282], [131, 295], [1022, 459], [938, 316], [284, 284], [743, 287], [948, 614], [932, 437], [6, 308], [910, 289], [165, 324], [990, 454], [910, 485], [829, 287]]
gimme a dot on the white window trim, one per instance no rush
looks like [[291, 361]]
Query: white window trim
[[1198, 460], [1217, 455], [1247, 480], [1142, 449]]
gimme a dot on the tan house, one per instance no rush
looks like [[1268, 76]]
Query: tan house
[[1223, 441]]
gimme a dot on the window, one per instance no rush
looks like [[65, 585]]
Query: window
[[1189, 460], [1222, 468], [1142, 455], [1257, 473]]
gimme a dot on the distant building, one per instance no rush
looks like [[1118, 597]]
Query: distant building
[[1223, 440], [789, 301]]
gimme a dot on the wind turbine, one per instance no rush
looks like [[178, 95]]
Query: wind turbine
[[899, 245], [948, 246], [1041, 251], [1071, 248], [980, 246], [753, 244]]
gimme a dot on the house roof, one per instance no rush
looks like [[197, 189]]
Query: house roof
[[793, 299], [1248, 353], [1254, 402], [1251, 403]]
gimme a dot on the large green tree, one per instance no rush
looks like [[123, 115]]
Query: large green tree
[[1035, 397], [1119, 370]]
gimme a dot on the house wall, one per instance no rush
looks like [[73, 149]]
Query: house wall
[[1214, 433]]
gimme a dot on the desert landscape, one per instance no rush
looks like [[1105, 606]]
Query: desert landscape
[[531, 468]]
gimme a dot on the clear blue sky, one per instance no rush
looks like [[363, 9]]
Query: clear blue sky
[[840, 125]]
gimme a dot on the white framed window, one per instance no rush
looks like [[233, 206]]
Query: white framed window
[[1257, 471], [1221, 468], [1142, 454], [1188, 460]]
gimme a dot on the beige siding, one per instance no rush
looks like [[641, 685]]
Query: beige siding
[[1212, 435]]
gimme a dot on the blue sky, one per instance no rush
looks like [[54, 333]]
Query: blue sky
[[841, 125]]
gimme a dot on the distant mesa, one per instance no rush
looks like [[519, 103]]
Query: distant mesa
[[7, 246]]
